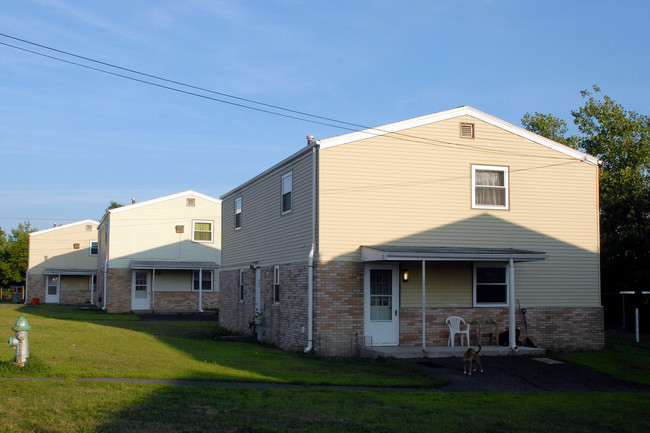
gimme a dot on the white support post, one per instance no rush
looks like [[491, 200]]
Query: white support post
[[424, 306], [511, 291]]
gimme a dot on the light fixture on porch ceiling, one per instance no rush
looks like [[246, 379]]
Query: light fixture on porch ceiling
[[405, 275]]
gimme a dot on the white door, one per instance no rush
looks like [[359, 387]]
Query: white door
[[381, 304], [53, 289], [141, 297]]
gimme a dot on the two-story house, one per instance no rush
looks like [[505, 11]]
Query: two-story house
[[375, 237], [160, 255], [62, 264]]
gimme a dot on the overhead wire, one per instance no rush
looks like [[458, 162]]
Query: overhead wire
[[336, 123]]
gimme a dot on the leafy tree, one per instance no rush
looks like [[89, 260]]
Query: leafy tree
[[113, 205], [621, 140], [13, 266], [549, 126]]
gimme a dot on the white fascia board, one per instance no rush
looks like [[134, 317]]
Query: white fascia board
[[450, 114], [162, 199], [65, 226]]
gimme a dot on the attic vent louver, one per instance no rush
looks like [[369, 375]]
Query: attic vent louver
[[467, 130], [190, 202]]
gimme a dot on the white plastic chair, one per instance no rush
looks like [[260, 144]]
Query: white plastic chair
[[454, 323]]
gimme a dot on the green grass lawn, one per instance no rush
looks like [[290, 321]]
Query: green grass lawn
[[67, 343], [623, 357]]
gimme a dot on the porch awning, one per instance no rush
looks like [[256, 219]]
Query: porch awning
[[173, 265], [460, 254], [52, 271]]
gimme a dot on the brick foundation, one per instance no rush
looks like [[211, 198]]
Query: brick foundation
[[555, 328], [339, 313], [284, 323], [119, 295], [66, 297]]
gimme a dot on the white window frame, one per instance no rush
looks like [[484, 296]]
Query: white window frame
[[90, 250], [290, 191], [474, 284], [276, 284], [506, 187], [241, 285], [203, 274], [238, 212], [195, 222]]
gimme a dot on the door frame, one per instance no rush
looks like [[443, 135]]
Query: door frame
[[135, 306], [56, 298], [382, 333]]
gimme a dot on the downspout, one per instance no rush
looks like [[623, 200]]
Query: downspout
[[105, 282], [26, 286], [92, 290], [312, 251], [512, 330], [200, 290], [424, 307]]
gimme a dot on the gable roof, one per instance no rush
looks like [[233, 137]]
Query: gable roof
[[450, 114], [64, 226], [162, 199]]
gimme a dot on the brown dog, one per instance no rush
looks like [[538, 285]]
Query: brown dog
[[470, 356]]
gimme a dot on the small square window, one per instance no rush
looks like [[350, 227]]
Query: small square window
[[190, 202], [287, 189], [276, 284], [202, 231], [238, 213]]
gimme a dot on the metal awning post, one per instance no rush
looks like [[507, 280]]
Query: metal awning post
[[511, 289], [424, 306]]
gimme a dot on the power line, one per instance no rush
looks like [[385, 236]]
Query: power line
[[369, 130]]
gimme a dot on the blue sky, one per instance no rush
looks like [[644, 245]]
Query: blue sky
[[72, 139]]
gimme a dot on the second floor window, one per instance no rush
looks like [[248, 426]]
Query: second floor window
[[287, 188], [94, 247], [202, 231], [237, 213], [489, 187]]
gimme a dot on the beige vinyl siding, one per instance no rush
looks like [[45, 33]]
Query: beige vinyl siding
[[75, 282], [267, 236], [53, 248], [149, 232], [173, 281], [449, 284], [387, 190]]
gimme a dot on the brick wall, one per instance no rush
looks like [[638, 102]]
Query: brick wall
[[339, 313], [284, 323], [75, 297], [338, 307], [36, 287], [164, 302], [556, 328], [118, 290]]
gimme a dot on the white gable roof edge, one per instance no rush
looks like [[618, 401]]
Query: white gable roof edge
[[162, 199], [64, 226], [449, 114]]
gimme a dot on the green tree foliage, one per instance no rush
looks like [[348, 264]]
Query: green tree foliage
[[549, 126], [621, 140], [14, 251]]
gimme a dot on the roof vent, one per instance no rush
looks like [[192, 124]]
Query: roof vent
[[190, 202], [310, 140], [467, 130]]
